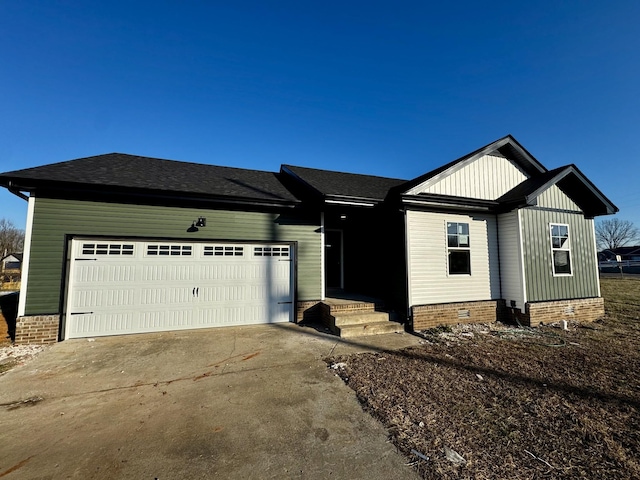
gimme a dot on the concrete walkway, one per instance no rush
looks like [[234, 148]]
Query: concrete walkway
[[249, 402]]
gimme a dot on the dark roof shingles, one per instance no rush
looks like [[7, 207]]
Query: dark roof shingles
[[146, 173], [350, 185]]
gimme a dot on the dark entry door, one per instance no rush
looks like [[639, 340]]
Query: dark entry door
[[333, 258]]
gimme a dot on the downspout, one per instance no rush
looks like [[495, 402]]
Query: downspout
[[17, 192]]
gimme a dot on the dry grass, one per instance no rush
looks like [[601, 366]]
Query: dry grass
[[539, 403]]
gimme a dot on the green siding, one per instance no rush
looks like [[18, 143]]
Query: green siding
[[541, 285], [53, 219]]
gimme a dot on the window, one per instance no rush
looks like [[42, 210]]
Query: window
[[168, 250], [560, 249], [223, 251], [107, 249], [458, 248], [271, 251]]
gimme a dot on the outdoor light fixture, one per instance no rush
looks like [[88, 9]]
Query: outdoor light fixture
[[201, 222]]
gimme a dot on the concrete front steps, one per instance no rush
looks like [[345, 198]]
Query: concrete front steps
[[349, 319]]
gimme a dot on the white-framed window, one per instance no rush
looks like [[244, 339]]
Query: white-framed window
[[560, 248], [458, 248], [107, 249], [159, 249], [223, 251], [271, 251]]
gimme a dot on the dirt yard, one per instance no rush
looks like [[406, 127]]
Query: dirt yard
[[486, 402]]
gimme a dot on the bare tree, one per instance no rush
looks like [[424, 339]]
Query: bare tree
[[616, 233], [11, 238]]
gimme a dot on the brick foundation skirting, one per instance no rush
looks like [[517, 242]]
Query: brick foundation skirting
[[37, 329], [579, 309], [309, 310], [430, 316]]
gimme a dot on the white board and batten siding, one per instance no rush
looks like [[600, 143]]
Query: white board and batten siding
[[555, 198], [488, 178], [511, 267], [429, 280], [120, 286]]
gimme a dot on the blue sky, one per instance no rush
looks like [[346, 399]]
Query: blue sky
[[384, 88]]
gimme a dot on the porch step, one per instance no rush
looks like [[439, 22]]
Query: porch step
[[374, 328], [343, 319], [349, 320]]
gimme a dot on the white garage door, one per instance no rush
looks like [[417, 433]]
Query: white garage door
[[120, 286]]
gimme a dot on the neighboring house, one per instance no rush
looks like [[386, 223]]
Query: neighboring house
[[625, 253], [125, 244], [11, 263]]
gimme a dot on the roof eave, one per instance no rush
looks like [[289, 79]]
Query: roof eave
[[76, 188], [449, 202]]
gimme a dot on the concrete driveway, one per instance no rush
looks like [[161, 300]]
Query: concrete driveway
[[237, 402]]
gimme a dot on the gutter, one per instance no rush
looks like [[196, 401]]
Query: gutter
[[14, 189]]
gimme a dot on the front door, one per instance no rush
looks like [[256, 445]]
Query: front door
[[333, 257]]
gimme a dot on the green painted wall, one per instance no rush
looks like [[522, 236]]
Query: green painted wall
[[541, 285], [53, 219]]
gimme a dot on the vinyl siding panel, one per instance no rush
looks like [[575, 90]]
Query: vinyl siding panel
[[429, 282], [489, 177], [512, 277], [53, 219], [553, 197], [541, 285]]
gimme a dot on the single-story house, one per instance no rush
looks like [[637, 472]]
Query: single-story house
[[11, 262], [120, 243], [631, 253]]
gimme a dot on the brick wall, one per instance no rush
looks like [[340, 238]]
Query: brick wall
[[430, 316], [579, 309], [308, 310], [38, 329]]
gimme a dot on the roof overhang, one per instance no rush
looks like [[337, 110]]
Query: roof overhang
[[571, 181], [71, 189], [507, 146], [446, 202]]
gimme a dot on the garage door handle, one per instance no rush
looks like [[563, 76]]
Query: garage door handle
[[196, 292]]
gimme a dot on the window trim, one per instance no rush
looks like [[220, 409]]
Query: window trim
[[457, 248], [560, 249]]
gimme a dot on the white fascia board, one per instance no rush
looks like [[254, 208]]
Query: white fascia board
[[427, 203], [350, 202]]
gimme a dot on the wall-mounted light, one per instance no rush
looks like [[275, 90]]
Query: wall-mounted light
[[200, 222]]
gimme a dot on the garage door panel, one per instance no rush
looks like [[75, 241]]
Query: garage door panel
[[167, 295], [156, 286], [101, 324]]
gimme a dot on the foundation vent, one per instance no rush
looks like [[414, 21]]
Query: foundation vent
[[569, 310], [464, 314]]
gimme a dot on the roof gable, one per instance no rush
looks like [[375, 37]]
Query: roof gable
[[126, 173], [571, 181], [487, 177], [506, 147]]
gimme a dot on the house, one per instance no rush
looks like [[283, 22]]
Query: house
[[11, 263], [625, 253], [126, 244], [10, 267]]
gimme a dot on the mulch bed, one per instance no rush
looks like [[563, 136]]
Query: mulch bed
[[510, 402]]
